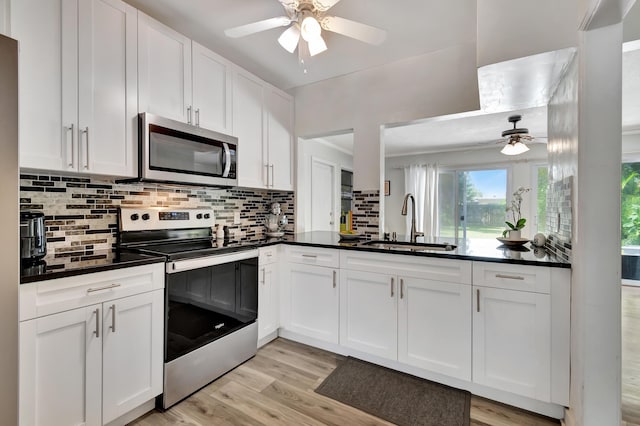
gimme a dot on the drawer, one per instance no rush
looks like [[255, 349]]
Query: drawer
[[512, 276], [267, 255], [432, 268], [52, 296], [313, 256]]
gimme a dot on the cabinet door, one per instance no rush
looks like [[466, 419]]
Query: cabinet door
[[132, 352], [212, 88], [511, 341], [311, 301], [280, 140], [368, 313], [108, 106], [434, 330], [47, 82], [267, 300], [164, 61], [249, 124], [61, 369]]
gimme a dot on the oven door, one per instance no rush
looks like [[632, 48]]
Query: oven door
[[208, 298], [177, 152]]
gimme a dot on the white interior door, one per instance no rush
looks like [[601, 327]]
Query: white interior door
[[323, 195]]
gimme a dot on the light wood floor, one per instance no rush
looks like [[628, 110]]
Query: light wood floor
[[276, 388]]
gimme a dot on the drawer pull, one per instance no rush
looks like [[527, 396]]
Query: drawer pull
[[334, 279], [478, 300], [392, 280], [97, 332], [107, 287], [401, 288], [510, 277], [313, 256]]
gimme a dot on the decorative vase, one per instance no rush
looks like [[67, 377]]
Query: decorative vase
[[514, 234]]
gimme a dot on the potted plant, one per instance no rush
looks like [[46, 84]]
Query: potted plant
[[518, 221]]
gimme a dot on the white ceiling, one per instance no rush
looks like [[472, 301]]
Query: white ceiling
[[414, 27]]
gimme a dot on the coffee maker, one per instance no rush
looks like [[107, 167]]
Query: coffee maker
[[33, 242]]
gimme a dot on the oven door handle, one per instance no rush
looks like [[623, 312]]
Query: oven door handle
[[203, 262], [227, 160]]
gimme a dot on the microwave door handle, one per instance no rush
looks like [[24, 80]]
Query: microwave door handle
[[227, 160]]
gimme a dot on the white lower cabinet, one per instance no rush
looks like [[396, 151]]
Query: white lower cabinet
[[369, 313], [434, 326], [512, 341], [421, 322], [268, 293], [310, 299], [92, 364]]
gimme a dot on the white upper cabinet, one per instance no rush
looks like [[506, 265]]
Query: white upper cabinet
[[212, 88], [164, 59], [78, 85], [263, 123], [182, 80]]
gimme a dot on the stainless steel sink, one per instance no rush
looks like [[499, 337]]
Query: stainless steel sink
[[406, 246]]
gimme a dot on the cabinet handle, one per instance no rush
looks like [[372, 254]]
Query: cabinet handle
[[510, 277], [264, 276], [478, 300], [97, 332], [334, 279], [107, 287], [70, 146], [401, 288], [198, 117], [267, 166], [272, 176], [189, 114], [392, 287], [85, 131], [113, 318], [313, 256]]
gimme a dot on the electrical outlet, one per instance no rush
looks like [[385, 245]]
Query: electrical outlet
[[236, 218]]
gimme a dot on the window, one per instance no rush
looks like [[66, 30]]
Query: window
[[471, 203], [630, 207]]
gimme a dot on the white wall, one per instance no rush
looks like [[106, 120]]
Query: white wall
[[519, 168], [4, 18], [584, 113], [437, 83], [514, 29], [307, 150]]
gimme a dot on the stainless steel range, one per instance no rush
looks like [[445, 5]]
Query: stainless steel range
[[211, 295]]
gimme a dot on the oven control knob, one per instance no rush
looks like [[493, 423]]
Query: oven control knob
[[135, 216], [199, 216], [207, 215], [146, 216]]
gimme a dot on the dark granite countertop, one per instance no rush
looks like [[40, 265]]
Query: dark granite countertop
[[485, 250], [99, 261]]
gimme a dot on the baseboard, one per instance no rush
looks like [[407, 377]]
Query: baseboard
[[269, 337], [134, 414]]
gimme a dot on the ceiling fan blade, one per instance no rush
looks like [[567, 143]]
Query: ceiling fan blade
[[289, 38], [256, 27], [324, 5], [353, 29]]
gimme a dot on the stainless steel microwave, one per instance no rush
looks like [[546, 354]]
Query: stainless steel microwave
[[175, 152]]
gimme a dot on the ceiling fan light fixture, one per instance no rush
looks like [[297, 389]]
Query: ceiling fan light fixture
[[514, 148], [289, 38], [310, 28], [317, 45]]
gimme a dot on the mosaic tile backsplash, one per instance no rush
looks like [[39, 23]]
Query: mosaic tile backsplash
[[81, 213], [366, 212], [559, 218]]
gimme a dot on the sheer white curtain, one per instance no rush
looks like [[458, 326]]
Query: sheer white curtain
[[422, 182]]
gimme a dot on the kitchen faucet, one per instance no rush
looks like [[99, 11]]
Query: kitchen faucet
[[414, 233]]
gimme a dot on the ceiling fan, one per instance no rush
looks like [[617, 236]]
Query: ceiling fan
[[515, 138], [306, 20]]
